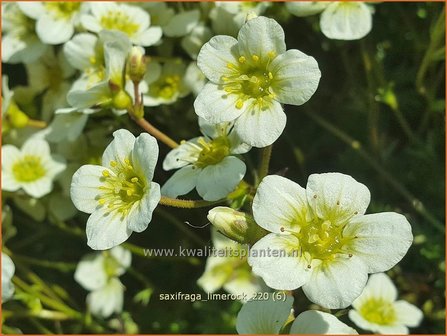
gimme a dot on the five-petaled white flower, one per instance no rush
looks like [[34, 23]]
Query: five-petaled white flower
[[98, 273], [249, 79], [376, 309], [131, 20], [56, 20], [32, 168], [8, 270], [340, 20], [271, 315], [120, 194], [331, 245], [207, 163]]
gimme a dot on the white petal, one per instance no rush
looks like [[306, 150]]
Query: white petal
[[36, 147], [215, 274], [336, 197], [263, 317], [32, 9], [215, 55], [145, 155], [120, 148], [243, 284], [236, 144], [90, 272], [108, 299], [182, 182], [10, 154], [274, 259], [141, 213], [382, 240], [106, 230], [215, 105], [8, 270], [80, 49], [150, 36], [408, 314], [379, 285], [182, 155], [182, 23], [38, 188], [96, 95], [53, 31], [123, 257], [217, 181], [279, 202], [115, 60], [358, 319], [338, 283], [260, 36], [317, 322], [261, 126], [346, 20], [90, 23], [305, 8], [296, 77], [84, 190]]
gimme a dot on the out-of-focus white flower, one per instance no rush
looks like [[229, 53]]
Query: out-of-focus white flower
[[119, 194], [50, 75], [328, 244], [344, 20], [194, 78], [182, 23], [227, 17], [231, 271], [270, 316], [193, 42], [249, 79], [19, 40], [56, 20], [31, 168], [131, 20], [207, 163], [8, 270], [160, 13], [98, 273], [376, 309], [168, 86]]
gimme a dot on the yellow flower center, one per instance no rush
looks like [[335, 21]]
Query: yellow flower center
[[118, 20], [166, 87], [379, 311], [122, 189], [250, 78], [62, 9], [212, 152], [28, 169]]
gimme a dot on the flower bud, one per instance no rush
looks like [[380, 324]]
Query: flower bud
[[236, 225], [16, 117], [137, 64]]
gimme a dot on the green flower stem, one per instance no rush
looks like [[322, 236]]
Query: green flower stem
[[152, 130], [356, 145], [187, 204], [36, 123], [42, 314], [263, 170], [60, 266]]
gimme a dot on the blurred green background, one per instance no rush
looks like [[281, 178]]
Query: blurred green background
[[378, 115]]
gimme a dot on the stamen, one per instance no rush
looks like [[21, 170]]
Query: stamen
[[105, 173], [239, 104], [113, 163], [242, 59], [255, 58]]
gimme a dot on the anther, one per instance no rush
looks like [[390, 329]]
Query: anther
[[113, 163], [105, 173], [242, 59], [239, 104], [134, 179], [102, 201], [270, 75], [255, 58]]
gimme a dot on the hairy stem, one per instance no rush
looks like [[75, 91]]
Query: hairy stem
[[263, 170], [187, 204]]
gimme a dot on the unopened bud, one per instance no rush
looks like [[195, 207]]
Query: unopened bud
[[121, 100], [16, 117], [236, 225], [137, 64]]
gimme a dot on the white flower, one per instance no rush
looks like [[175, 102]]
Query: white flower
[[249, 79], [194, 78], [230, 272], [56, 20], [119, 194], [166, 83], [182, 23], [98, 273], [376, 309], [331, 245], [19, 40], [131, 20], [32, 168], [207, 163], [194, 41], [270, 316], [8, 270], [344, 20]]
